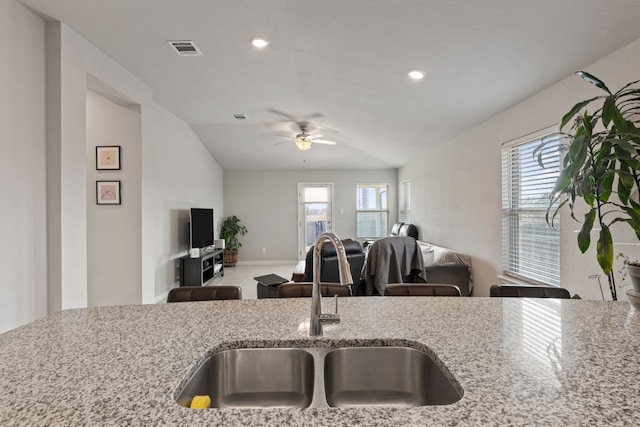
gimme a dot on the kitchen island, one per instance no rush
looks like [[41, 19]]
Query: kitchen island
[[519, 361]]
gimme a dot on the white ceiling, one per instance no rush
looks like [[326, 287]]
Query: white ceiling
[[341, 65]]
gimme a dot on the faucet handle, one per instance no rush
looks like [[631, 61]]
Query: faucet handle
[[328, 318]]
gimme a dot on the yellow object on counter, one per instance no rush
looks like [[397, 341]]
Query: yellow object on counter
[[200, 402]]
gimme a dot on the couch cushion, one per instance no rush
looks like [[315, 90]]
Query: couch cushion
[[427, 253]]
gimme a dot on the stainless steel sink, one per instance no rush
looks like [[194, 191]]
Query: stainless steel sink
[[254, 378], [385, 376], [320, 377]]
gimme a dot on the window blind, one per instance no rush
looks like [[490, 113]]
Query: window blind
[[530, 248], [372, 215], [405, 202]]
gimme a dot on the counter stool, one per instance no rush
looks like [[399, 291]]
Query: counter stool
[[422, 290]]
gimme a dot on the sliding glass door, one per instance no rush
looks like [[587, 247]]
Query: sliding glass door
[[315, 213]]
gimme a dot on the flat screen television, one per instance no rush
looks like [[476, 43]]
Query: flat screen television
[[201, 228]]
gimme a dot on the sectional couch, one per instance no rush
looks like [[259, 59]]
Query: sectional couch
[[441, 265]]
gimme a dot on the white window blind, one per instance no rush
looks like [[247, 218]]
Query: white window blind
[[405, 202], [372, 214], [530, 248]]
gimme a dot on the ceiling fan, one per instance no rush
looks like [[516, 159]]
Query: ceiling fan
[[304, 140]]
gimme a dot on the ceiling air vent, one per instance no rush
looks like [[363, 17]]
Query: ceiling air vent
[[240, 116], [185, 47]]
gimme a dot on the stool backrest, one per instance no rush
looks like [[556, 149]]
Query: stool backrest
[[522, 291], [422, 289], [304, 289], [204, 293]]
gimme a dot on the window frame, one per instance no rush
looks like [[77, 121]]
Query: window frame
[[530, 250], [385, 211]]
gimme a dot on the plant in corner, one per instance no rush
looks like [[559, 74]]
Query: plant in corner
[[229, 231], [601, 167]]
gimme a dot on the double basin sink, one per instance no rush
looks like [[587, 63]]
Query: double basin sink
[[319, 377]]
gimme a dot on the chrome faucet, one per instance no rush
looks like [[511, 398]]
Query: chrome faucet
[[317, 317]]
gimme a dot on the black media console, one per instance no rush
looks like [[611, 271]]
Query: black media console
[[198, 271]]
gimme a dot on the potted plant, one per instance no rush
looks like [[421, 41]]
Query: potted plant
[[229, 231], [601, 167]]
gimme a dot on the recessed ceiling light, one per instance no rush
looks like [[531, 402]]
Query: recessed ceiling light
[[416, 74], [259, 42]]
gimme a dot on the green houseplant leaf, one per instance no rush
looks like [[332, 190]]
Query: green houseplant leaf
[[608, 110], [593, 80], [604, 248], [576, 108], [584, 237]]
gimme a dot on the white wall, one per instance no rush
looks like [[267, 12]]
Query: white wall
[[267, 204], [67, 156], [176, 172], [456, 187], [43, 214], [23, 260], [114, 236]]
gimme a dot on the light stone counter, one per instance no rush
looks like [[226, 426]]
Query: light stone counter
[[519, 361]]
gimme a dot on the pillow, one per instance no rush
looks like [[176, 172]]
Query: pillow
[[427, 253], [395, 230]]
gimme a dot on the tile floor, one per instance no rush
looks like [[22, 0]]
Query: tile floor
[[242, 275]]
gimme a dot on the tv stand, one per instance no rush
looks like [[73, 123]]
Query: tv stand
[[198, 271]]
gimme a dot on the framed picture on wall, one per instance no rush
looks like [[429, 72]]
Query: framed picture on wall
[[108, 192], [108, 157]]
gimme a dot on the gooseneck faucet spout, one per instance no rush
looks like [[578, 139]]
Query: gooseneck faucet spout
[[317, 318]]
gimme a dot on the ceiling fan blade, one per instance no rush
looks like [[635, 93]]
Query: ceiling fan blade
[[314, 136], [281, 113], [324, 141], [298, 119]]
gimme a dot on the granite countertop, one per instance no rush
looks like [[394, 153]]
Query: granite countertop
[[519, 361]]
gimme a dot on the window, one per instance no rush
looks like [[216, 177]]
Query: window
[[530, 248], [405, 202], [372, 216]]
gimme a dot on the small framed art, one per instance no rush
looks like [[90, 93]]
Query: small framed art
[[108, 192], [108, 157]]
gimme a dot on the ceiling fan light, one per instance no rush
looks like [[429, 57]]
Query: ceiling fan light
[[303, 144], [416, 74]]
